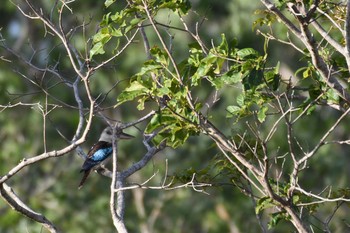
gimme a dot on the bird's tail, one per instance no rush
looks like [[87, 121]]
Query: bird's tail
[[86, 174]]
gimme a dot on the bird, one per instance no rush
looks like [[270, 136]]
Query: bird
[[100, 151]]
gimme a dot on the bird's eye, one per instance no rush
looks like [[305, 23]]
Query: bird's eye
[[109, 132]]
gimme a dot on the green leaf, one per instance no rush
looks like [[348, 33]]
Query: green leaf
[[232, 77], [306, 73], [159, 120], [102, 36], [263, 203], [240, 100], [276, 218], [272, 79], [118, 16], [160, 137], [253, 79], [135, 90], [160, 55], [100, 39], [332, 96], [109, 2], [149, 67], [179, 136], [105, 20], [117, 33], [136, 21], [141, 105], [277, 68], [223, 46], [299, 70], [310, 110], [262, 114], [97, 49], [180, 6], [296, 199], [171, 128], [136, 86], [232, 111], [203, 69], [247, 53]]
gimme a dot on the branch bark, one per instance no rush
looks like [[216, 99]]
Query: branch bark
[[16, 203], [261, 176], [308, 40]]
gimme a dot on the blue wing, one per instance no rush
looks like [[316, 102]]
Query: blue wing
[[98, 152]]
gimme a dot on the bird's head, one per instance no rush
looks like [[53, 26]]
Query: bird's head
[[107, 135]]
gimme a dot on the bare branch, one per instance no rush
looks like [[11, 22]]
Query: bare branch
[[151, 151], [227, 145], [242, 172], [270, 6], [332, 20], [347, 33], [61, 36], [325, 35], [289, 42], [307, 38], [16, 203], [147, 116], [319, 198], [117, 199], [322, 140]]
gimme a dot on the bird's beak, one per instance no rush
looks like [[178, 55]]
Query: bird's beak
[[123, 135]]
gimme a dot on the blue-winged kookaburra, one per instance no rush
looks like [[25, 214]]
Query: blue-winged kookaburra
[[100, 151]]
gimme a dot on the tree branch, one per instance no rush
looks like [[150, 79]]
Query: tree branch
[[347, 33], [15, 202]]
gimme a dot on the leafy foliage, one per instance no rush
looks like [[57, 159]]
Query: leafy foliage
[[215, 97]]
